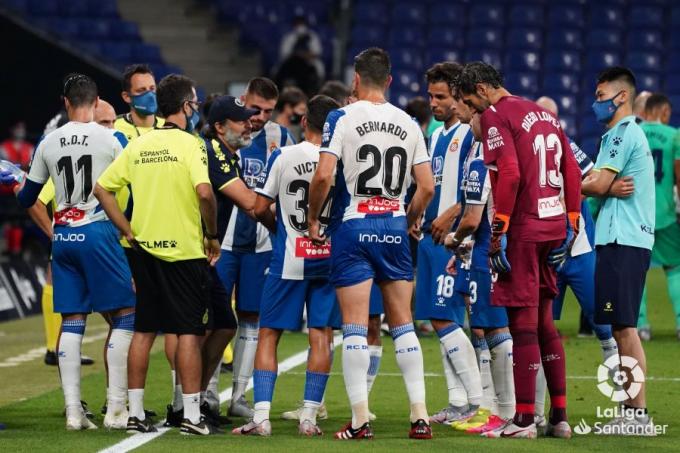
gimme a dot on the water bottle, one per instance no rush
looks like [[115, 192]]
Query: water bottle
[[17, 172]]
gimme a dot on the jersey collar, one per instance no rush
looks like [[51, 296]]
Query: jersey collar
[[453, 127]]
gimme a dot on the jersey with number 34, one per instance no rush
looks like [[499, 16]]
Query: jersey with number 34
[[376, 145]]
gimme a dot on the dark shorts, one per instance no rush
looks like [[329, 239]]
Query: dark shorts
[[531, 279], [620, 272], [220, 312], [172, 297]]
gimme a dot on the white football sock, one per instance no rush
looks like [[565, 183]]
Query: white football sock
[[136, 399], [247, 335], [462, 356], [177, 402], [116, 356], [609, 348], [410, 360], [375, 353], [261, 411], [501, 369], [355, 363], [541, 387], [192, 407], [488, 391], [309, 411], [212, 393], [70, 342], [457, 393]]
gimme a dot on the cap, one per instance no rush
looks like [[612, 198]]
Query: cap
[[229, 108]]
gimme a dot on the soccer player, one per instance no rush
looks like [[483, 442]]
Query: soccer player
[[89, 267], [664, 141], [531, 166], [624, 231], [375, 148], [246, 249], [167, 169], [298, 275], [139, 92], [436, 299]]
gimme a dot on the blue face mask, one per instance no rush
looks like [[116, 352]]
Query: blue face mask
[[605, 110], [145, 104], [192, 120]]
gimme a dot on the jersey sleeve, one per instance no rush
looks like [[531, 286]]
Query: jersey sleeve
[[220, 170], [47, 193], [478, 185], [117, 174], [615, 152], [119, 143], [421, 155], [268, 183], [331, 140], [39, 172], [582, 158], [288, 139], [198, 164]]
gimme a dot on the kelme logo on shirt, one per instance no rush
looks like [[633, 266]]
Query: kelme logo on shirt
[[304, 248], [378, 205], [159, 244]]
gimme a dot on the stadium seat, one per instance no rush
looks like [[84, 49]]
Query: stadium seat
[[126, 30], [560, 83], [644, 61], [563, 61], [94, 29], [120, 52], [566, 104], [524, 38], [597, 60], [368, 35], [486, 15], [606, 16], [446, 36], [565, 16], [103, 8], [522, 61], [565, 39], [74, 8], [406, 36], [18, 6], [522, 82], [605, 39], [66, 27], [147, 52], [488, 56], [407, 13], [672, 85], [648, 81], [400, 98], [568, 123], [645, 40], [43, 8], [645, 16], [485, 38], [407, 81], [675, 16], [403, 58], [371, 14], [448, 15], [528, 15], [436, 55]]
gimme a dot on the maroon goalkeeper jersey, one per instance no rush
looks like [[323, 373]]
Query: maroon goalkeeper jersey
[[532, 165]]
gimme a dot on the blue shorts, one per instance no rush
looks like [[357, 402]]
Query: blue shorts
[[462, 279], [90, 271], [483, 315], [578, 273], [284, 300], [436, 297], [376, 303], [246, 271], [370, 248]]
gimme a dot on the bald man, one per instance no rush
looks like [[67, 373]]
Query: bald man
[[639, 105], [547, 103], [104, 114]]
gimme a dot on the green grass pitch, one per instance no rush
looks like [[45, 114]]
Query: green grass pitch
[[31, 402]]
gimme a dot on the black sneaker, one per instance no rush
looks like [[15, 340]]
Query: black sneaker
[[203, 428], [147, 413], [227, 368], [51, 358], [173, 419], [135, 425], [213, 418], [85, 360], [86, 411]]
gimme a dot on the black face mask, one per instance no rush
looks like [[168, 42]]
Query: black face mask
[[295, 118]]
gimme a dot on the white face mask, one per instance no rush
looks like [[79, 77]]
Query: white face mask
[[236, 141]]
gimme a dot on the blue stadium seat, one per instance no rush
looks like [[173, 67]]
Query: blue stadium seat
[[567, 104], [403, 58], [565, 39], [125, 30], [597, 60], [446, 36], [524, 38], [522, 82], [674, 41], [18, 6], [606, 39], [407, 81], [368, 35], [563, 61], [488, 56], [645, 40], [486, 15], [675, 16], [408, 14], [485, 38], [648, 81], [448, 15], [260, 12], [644, 61], [43, 8], [120, 52], [675, 101], [672, 85], [560, 83], [371, 14], [74, 8], [437, 55], [673, 62], [568, 123], [522, 61], [645, 16], [406, 36], [147, 52], [103, 8], [529, 15], [606, 16], [400, 98], [67, 27], [94, 29], [565, 16]]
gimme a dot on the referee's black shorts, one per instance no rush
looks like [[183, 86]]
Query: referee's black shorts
[[221, 314], [172, 297], [620, 273]]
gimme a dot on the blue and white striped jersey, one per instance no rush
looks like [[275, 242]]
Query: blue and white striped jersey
[[286, 181], [243, 233], [477, 189], [448, 151]]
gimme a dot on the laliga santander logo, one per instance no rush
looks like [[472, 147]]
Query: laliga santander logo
[[627, 375]]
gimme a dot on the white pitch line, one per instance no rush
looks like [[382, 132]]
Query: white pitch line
[[137, 440], [40, 352]]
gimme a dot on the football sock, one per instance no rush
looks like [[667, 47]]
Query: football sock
[[51, 319], [355, 363], [136, 399], [410, 361], [609, 348], [375, 354], [462, 356], [643, 321], [116, 356], [500, 346], [554, 364], [541, 388], [192, 407], [315, 386], [527, 359], [70, 341], [212, 393], [484, 362], [244, 356], [673, 280], [263, 393], [177, 402], [457, 393]]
